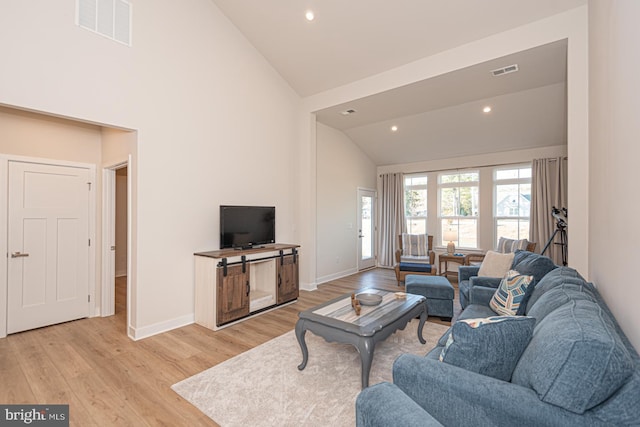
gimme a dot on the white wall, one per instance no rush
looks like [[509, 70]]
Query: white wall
[[571, 25], [23, 133], [614, 132], [215, 124], [342, 167]]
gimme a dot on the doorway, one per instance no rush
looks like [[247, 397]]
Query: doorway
[[366, 228], [116, 243]]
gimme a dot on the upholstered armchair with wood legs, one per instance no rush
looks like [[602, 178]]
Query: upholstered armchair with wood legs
[[468, 274], [415, 256]]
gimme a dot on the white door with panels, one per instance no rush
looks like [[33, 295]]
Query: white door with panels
[[48, 245], [366, 228]]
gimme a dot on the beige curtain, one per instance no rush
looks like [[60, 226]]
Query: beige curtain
[[392, 222], [548, 189]]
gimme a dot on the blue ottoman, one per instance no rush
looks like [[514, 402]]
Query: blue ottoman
[[438, 292]]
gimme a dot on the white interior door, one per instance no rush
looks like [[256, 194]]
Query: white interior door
[[48, 243], [108, 242], [366, 228]]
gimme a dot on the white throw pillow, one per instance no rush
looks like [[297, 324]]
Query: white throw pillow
[[495, 264]]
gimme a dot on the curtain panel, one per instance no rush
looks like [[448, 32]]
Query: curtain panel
[[548, 190], [392, 222]]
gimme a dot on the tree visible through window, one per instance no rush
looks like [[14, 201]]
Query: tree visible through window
[[458, 207], [415, 203], [512, 202]]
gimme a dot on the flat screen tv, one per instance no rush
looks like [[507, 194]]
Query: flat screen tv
[[247, 226]]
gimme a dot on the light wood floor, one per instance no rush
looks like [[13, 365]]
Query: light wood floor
[[108, 379]]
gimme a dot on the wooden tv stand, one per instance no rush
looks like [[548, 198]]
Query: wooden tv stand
[[232, 284]]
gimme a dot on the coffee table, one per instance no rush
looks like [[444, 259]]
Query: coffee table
[[336, 321]]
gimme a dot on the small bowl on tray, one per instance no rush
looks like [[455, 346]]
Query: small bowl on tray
[[367, 298]]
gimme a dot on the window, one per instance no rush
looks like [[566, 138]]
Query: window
[[415, 203], [512, 202], [458, 206]]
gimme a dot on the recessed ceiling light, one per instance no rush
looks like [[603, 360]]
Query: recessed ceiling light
[[487, 109], [394, 128], [309, 15], [347, 112]]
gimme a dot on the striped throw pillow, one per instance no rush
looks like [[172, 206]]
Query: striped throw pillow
[[510, 245], [415, 244]]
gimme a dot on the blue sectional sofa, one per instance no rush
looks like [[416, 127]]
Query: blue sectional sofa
[[578, 369]]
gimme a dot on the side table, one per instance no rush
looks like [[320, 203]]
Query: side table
[[446, 258]]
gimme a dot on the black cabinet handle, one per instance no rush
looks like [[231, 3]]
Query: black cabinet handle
[[279, 280], [248, 288]]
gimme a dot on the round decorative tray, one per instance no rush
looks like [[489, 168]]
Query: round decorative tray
[[366, 298]]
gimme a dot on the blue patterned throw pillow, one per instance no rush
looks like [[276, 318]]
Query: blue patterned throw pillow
[[490, 346], [511, 293]]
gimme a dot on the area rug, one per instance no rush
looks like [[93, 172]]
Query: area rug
[[263, 386]]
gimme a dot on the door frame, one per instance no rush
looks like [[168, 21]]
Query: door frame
[[374, 226], [4, 231], [108, 228]]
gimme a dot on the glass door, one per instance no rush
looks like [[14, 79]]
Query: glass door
[[366, 228]]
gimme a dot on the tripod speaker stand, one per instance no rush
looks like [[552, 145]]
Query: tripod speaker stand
[[561, 227]]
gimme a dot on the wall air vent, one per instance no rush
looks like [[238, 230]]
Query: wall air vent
[[347, 112], [109, 18], [506, 70]]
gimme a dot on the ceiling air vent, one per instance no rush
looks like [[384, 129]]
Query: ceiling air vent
[[347, 112], [506, 70]]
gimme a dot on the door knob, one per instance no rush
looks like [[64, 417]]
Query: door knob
[[18, 255]]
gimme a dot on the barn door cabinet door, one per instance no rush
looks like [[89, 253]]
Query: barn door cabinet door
[[287, 279], [233, 293]]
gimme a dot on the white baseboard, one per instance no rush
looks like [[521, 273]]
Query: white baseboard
[[335, 276], [308, 286], [158, 328]]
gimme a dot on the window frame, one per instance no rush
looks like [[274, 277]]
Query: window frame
[[442, 218], [406, 188], [509, 181]]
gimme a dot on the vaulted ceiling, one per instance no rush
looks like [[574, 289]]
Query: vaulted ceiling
[[439, 118]]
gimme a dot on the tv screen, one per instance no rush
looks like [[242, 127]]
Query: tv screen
[[247, 226]]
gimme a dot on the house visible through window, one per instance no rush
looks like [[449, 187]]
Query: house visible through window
[[415, 203], [458, 207], [512, 202]]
